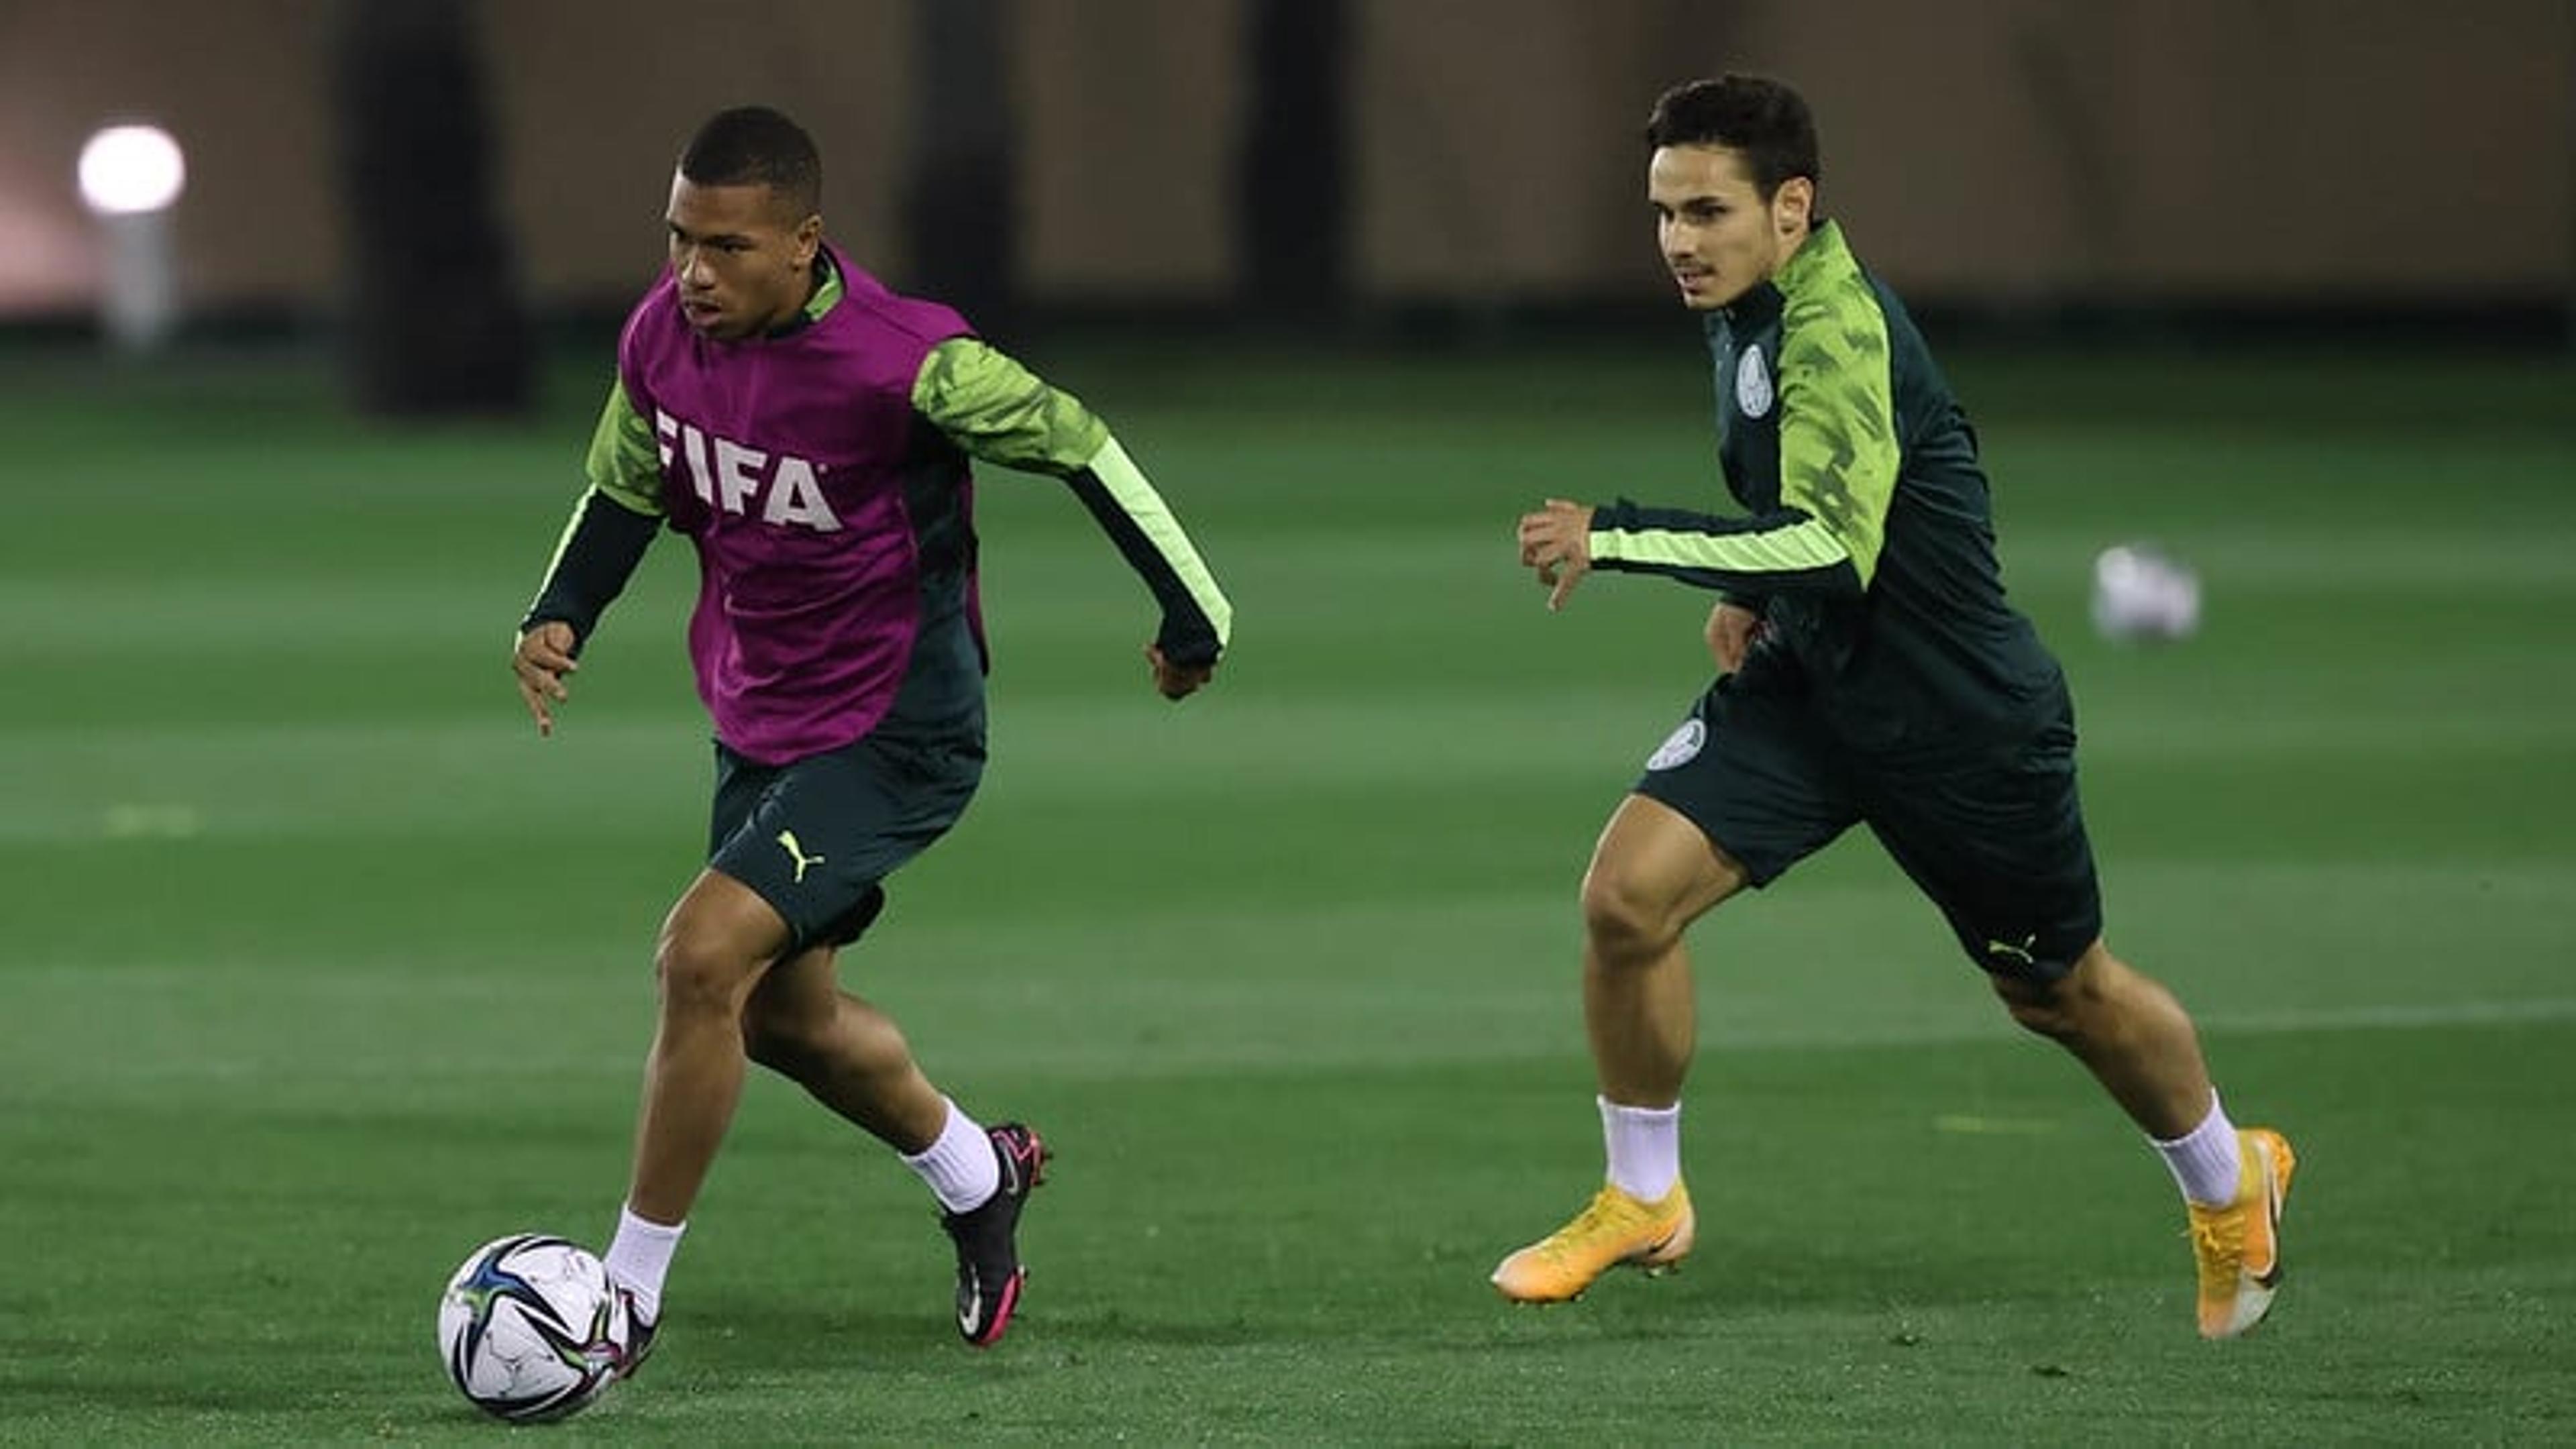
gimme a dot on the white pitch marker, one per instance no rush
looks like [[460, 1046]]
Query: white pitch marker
[[1966, 1125]]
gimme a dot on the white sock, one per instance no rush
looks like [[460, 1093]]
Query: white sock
[[1644, 1145], [640, 1258], [960, 1167], [2207, 1162]]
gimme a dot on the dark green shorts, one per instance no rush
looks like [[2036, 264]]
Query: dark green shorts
[[817, 838], [1991, 829]]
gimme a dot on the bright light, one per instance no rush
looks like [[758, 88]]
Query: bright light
[[127, 170]]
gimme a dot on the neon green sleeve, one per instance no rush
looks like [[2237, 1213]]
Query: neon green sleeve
[[624, 462], [1000, 412], [1838, 449]]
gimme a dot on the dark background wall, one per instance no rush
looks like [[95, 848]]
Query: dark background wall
[[2001, 153]]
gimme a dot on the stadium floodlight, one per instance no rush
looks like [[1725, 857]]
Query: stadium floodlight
[[131, 175], [130, 169]]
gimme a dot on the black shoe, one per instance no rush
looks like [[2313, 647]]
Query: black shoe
[[989, 1275]]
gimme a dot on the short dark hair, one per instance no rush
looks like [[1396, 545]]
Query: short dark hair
[[1761, 119], [756, 146]]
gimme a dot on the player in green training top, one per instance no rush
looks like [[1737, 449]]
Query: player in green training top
[[1869, 672]]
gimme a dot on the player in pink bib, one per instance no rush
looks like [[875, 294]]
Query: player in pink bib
[[812, 433]]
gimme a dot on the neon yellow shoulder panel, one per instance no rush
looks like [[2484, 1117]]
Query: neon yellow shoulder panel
[[624, 462], [1838, 444], [1000, 412]]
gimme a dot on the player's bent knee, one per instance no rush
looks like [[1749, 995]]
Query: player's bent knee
[[698, 971], [1624, 920], [715, 944], [2038, 1006], [2061, 1008]]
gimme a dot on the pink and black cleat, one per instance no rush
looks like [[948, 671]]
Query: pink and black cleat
[[989, 1274]]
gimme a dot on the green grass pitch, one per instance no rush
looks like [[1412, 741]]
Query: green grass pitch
[[320, 968]]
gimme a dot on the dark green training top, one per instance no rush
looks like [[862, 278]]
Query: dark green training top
[[1866, 543]]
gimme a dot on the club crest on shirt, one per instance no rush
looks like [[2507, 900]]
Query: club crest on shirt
[[1681, 746], [1752, 383]]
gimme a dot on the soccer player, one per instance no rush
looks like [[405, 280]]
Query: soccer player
[[810, 432], [1869, 672]]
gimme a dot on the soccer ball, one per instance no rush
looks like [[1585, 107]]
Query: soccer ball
[[2142, 594], [531, 1328]]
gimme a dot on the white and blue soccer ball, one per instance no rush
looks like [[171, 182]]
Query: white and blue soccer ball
[[2141, 594], [531, 1328]]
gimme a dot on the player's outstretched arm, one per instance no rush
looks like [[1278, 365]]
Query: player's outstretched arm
[[1000, 412], [612, 525], [1197, 618], [1556, 542], [1785, 551]]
